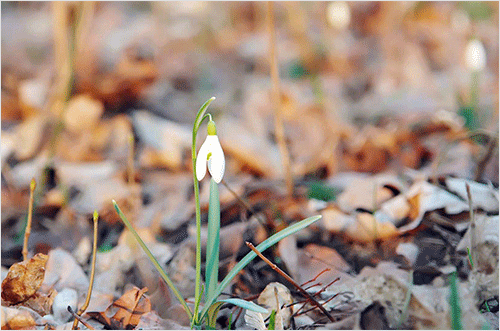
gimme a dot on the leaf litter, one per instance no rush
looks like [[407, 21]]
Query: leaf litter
[[384, 135]]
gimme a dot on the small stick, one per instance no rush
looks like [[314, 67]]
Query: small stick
[[278, 123], [472, 226], [92, 273], [78, 318], [27, 232], [291, 281], [316, 277]]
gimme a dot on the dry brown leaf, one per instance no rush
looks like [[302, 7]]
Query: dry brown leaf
[[131, 306], [24, 279], [314, 259], [17, 319], [41, 302], [270, 296]]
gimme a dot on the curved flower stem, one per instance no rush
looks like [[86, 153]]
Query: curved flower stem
[[197, 295]]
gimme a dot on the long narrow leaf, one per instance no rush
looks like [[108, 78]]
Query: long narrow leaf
[[212, 259], [251, 255], [245, 305], [154, 261]]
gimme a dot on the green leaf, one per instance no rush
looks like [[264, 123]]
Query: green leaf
[[272, 321], [212, 257], [456, 313], [320, 191], [213, 311], [245, 305], [261, 247], [154, 261]]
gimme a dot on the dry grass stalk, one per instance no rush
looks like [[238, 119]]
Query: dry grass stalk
[[276, 97], [91, 282], [27, 232], [289, 279]]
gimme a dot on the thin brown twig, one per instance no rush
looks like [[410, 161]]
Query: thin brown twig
[[290, 280], [27, 232], [316, 277], [92, 273], [78, 318], [276, 95]]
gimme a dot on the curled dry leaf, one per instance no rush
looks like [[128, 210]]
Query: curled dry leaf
[[24, 279], [131, 306]]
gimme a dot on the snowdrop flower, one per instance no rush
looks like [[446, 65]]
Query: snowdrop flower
[[211, 152], [475, 55]]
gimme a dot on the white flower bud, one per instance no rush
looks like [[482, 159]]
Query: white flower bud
[[475, 55]]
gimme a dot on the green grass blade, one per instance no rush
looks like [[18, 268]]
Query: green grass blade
[[213, 239], [456, 313], [251, 255], [245, 305], [154, 261], [272, 321]]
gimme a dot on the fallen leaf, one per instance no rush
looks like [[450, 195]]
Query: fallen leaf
[[483, 196], [131, 306], [151, 321], [270, 296], [17, 319], [41, 302], [24, 279]]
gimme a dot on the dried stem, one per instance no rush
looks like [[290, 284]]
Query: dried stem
[[78, 318], [276, 97], [92, 273], [472, 226], [289, 279], [27, 232]]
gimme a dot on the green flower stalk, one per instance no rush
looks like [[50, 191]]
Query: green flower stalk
[[211, 155]]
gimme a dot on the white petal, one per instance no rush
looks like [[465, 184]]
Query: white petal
[[201, 160], [475, 55], [217, 162]]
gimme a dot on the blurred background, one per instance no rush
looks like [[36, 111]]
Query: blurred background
[[364, 86], [349, 61]]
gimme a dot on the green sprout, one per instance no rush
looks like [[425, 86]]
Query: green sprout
[[212, 155]]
